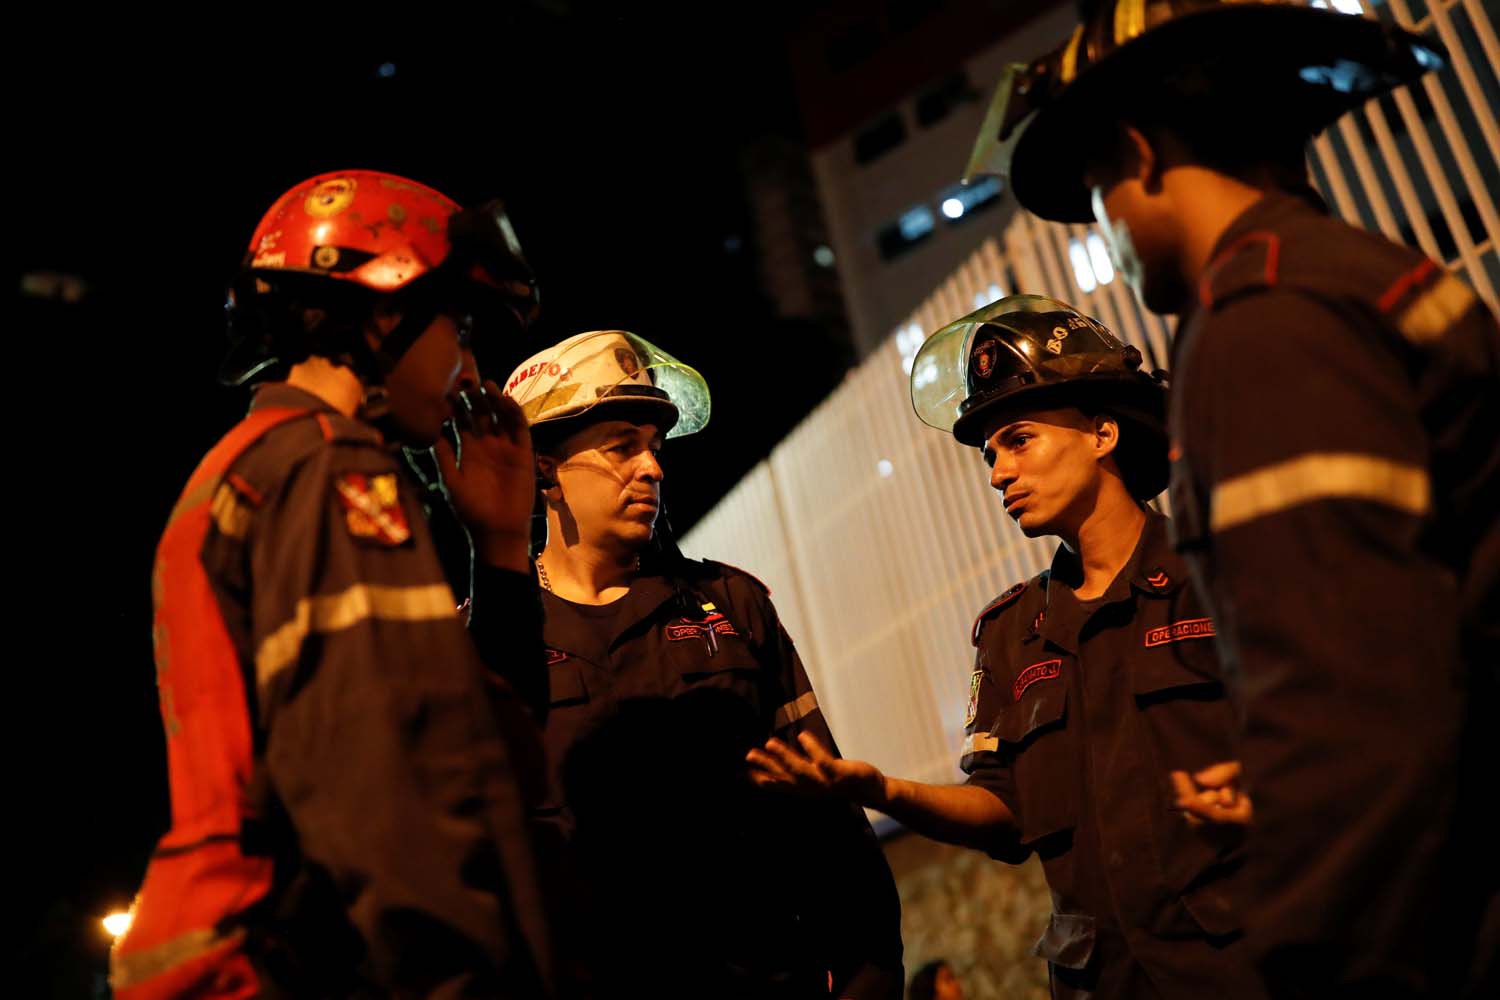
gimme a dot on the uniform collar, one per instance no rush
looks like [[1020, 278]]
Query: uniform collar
[[283, 395], [1153, 569], [648, 594], [1268, 212]]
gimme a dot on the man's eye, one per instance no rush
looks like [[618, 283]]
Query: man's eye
[[1019, 441]]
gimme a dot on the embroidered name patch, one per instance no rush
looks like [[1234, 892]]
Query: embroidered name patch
[[697, 630], [1193, 628], [1044, 671]]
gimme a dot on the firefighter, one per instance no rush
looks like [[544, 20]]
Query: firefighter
[[349, 787], [1096, 692], [1338, 473], [664, 672]]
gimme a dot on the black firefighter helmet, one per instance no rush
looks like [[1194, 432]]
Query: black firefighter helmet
[[1271, 64], [1032, 351]]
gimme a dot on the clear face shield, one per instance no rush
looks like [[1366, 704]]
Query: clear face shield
[[571, 379], [1019, 341]]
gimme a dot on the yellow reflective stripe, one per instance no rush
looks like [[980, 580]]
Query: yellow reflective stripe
[[133, 968], [232, 516], [1435, 311], [335, 612], [794, 710], [1130, 20], [1069, 68], [980, 743], [1320, 476]]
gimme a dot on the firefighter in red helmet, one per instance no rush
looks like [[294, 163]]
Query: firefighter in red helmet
[[349, 785]]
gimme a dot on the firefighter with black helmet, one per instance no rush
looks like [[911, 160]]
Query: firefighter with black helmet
[[1339, 470], [1096, 697], [664, 671], [349, 790]]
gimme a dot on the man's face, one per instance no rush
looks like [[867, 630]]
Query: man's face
[[609, 479], [422, 380], [1046, 466], [1135, 218]]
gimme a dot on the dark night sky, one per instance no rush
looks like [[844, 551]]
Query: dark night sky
[[144, 165]]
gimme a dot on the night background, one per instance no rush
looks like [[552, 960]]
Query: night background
[[617, 140]]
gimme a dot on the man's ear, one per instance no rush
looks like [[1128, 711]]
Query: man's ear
[[546, 472], [1106, 434], [1143, 158]]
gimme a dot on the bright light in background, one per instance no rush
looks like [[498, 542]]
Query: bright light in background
[[1083, 270], [1342, 6], [953, 208], [1099, 258], [387, 70], [885, 468], [908, 341], [823, 256], [926, 375], [991, 294], [117, 923]]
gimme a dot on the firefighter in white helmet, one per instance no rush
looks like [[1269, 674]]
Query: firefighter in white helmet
[[664, 671]]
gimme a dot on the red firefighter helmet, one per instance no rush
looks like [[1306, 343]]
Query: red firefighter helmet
[[351, 236]]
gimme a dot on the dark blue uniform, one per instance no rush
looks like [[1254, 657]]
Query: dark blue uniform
[[693, 882], [1337, 418], [387, 779], [1078, 713]]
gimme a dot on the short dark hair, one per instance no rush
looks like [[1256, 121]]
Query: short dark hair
[[1227, 118], [1141, 452]]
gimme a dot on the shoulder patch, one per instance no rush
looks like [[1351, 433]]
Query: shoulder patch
[[996, 605], [1425, 302], [1248, 264], [372, 508]]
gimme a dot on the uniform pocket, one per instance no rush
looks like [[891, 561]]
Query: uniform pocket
[[1033, 738], [565, 683]]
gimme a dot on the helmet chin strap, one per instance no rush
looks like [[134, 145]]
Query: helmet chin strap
[[374, 364]]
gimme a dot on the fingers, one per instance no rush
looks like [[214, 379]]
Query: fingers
[[1218, 775], [1211, 795], [766, 770], [1183, 787], [462, 405], [816, 751], [506, 413], [1208, 810], [447, 458]]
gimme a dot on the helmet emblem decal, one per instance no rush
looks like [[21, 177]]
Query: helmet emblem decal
[[330, 197], [982, 360], [1059, 334], [629, 363]]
